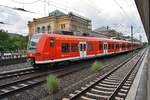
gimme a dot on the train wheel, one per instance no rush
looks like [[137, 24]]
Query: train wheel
[[31, 61]]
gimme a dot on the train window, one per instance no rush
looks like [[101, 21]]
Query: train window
[[109, 46], [81, 47], [51, 42], [117, 46], [112, 46], [124, 46], [74, 47], [90, 47], [65, 47], [100, 46], [84, 47], [105, 46]]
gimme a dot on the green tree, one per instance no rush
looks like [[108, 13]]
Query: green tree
[[10, 42]]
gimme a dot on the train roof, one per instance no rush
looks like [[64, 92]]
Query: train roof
[[60, 36]]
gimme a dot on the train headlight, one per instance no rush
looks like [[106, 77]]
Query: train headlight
[[37, 54]]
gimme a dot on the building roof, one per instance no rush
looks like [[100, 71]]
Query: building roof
[[101, 29], [57, 13]]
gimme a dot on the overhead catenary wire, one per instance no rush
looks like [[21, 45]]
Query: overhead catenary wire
[[121, 8], [3, 22], [124, 12], [137, 29], [19, 9], [25, 2]]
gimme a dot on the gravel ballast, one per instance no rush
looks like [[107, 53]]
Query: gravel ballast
[[67, 83]]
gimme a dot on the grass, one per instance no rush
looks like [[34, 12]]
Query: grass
[[52, 83], [96, 66]]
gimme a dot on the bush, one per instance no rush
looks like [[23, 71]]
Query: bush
[[52, 83], [96, 66]]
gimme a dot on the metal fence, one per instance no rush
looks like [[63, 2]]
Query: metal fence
[[12, 57]]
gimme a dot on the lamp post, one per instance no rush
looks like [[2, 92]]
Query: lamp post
[[131, 37]]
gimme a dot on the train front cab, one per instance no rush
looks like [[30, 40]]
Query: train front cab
[[36, 49]]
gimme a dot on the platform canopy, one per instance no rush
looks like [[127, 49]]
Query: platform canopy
[[143, 8]]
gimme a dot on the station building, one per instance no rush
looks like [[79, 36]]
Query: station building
[[59, 21]]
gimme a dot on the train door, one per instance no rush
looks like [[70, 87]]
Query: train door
[[82, 49], [105, 47]]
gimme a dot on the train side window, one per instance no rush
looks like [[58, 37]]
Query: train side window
[[90, 47], [51, 42], [84, 47], [105, 46], [74, 47], [123, 45], [112, 46], [117, 46], [109, 46], [65, 47], [100, 46], [81, 47]]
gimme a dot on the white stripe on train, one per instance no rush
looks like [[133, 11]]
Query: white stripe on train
[[72, 58]]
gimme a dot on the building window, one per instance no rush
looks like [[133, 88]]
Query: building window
[[38, 30], [43, 29], [74, 47], [62, 26], [90, 47], [65, 47], [48, 29]]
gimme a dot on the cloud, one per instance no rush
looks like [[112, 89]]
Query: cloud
[[101, 12], [13, 19]]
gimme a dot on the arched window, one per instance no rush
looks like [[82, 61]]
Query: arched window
[[49, 29], [43, 29], [38, 30]]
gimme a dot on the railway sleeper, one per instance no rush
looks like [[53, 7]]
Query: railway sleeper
[[86, 98], [119, 98], [121, 94], [101, 91], [106, 85], [105, 88], [111, 80], [124, 90], [111, 83], [96, 96]]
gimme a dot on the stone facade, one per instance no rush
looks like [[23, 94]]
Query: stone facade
[[58, 21]]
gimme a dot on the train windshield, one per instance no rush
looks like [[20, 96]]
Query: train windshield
[[32, 43]]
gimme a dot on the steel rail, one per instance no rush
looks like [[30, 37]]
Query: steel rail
[[75, 96]]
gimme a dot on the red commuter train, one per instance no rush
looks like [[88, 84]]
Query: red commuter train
[[51, 48]]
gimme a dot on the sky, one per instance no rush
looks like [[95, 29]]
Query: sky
[[117, 14]]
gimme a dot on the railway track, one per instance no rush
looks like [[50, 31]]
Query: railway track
[[19, 72], [14, 73], [27, 82], [113, 85]]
